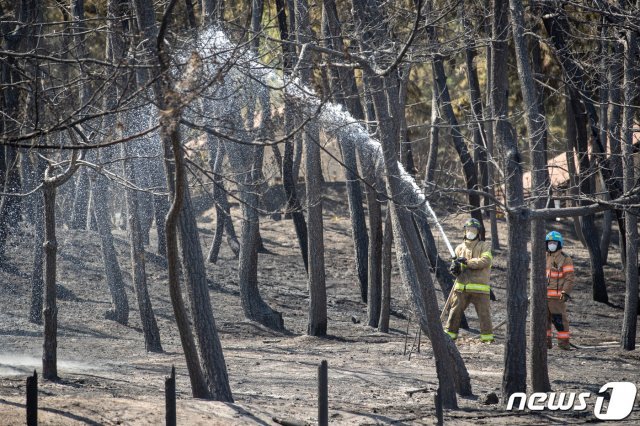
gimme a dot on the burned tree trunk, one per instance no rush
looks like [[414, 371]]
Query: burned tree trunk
[[434, 139], [50, 312], [253, 305], [571, 135], [119, 311], [139, 274], [514, 378], [342, 86], [317, 323], [199, 385], [444, 101], [475, 96], [160, 207], [80, 205], [557, 26], [586, 177], [10, 206], [468, 165], [37, 283], [50, 346], [603, 92], [209, 379], [537, 129], [289, 177], [374, 273], [614, 123], [293, 206], [489, 111], [209, 345], [223, 211], [385, 296], [631, 74]]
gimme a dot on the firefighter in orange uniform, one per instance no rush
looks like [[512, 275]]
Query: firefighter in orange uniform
[[560, 282]]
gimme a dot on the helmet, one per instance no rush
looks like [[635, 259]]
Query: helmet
[[473, 223], [555, 236]]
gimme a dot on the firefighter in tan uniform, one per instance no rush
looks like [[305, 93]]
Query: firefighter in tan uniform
[[471, 267], [560, 282]]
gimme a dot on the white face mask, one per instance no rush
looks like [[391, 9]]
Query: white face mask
[[471, 234], [552, 247]]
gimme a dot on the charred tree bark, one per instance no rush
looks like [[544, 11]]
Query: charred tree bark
[[138, 266], [199, 385], [374, 274], [603, 94], [253, 305], [119, 311], [119, 302], [489, 115], [434, 139], [317, 323], [475, 96], [614, 123], [629, 326], [572, 137], [223, 210], [557, 26], [339, 78], [209, 344], [385, 297], [145, 203], [50, 314], [514, 378], [80, 201], [160, 209], [537, 129], [16, 40], [424, 294], [293, 207], [406, 150], [586, 177], [209, 379], [37, 282], [289, 178], [468, 165]]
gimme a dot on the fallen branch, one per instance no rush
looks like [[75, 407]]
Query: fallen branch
[[287, 422], [410, 392]]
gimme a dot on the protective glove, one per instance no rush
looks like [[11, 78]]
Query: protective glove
[[455, 268], [462, 260], [565, 297]]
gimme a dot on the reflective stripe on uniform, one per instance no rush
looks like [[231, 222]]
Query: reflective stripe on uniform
[[554, 274], [487, 254], [486, 337], [453, 335], [567, 268], [554, 293], [482, 288], [563, 334]]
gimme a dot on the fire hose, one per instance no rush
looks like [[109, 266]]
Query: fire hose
[[452, 252]]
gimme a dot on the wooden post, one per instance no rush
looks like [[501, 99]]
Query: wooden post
[[323, 394], [32, 399], [438, 402], [170, 397]]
